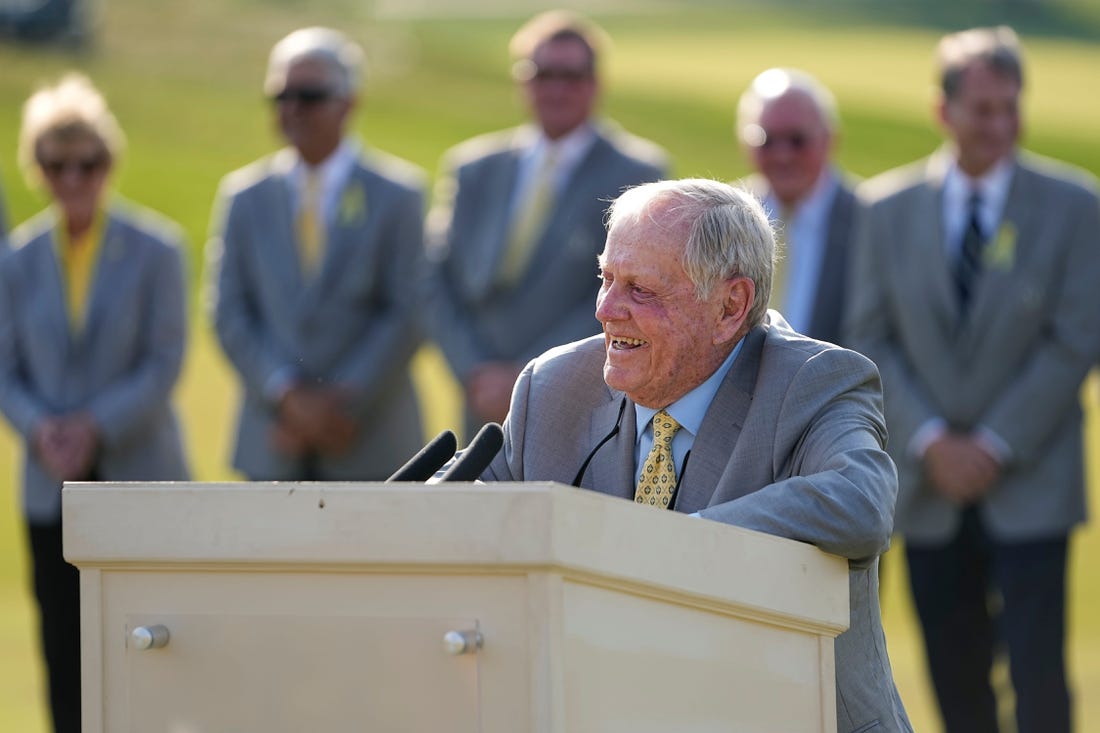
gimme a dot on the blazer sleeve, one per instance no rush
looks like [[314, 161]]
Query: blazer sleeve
[[124, 405], [394, 334], [842, 486]]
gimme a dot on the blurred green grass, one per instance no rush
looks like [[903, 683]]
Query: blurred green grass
[[184, 79]]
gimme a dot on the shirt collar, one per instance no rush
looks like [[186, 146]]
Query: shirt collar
[[570, 148], [690, 409], [815, 203], [333, 170], [991, 187]]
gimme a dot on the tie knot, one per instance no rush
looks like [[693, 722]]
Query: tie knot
[[664, 427], [974, 200]]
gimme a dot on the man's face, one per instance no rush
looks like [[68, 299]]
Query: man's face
[[661, 342], [75, 171], [983, 118], [794, 148], [311, 115], [562, 91]]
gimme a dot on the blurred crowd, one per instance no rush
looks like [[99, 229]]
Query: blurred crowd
[[968, 278]]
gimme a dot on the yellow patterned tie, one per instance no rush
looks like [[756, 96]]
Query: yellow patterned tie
[[658, 478], [311, 231], [529, 220]]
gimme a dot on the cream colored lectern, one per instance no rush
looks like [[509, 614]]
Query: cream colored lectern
[[456, 608]]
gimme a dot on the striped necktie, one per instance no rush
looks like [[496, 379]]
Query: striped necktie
[[968, 263]]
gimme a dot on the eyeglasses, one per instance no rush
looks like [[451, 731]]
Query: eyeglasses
[[527, 70], [304, 95], [84, 167], [756, 136]]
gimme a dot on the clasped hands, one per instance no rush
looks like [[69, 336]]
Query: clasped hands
[[960, 467], [314, 419], [66, 445]]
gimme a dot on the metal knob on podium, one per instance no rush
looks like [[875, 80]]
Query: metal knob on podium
[[462, 642], [149, 637]]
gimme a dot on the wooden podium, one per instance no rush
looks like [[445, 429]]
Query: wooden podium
[[226, 608]]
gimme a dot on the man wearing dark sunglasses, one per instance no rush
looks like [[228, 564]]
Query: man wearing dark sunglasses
[[786, 123], [313, 250], [518, 217]]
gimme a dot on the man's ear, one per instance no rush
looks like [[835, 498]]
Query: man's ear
[[942, 111], [738, 295]]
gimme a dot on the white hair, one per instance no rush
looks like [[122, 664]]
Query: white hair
[[777, 83], [728, 232], [342, 56]]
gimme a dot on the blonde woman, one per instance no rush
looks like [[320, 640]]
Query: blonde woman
[[92, 333]]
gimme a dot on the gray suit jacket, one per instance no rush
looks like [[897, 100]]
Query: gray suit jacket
[[792, 445], [473, 317], [353, 324], [121, 367], [1014, 366]]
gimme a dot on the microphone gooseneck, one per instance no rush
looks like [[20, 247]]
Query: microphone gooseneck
[[428, 459], [478, 454]]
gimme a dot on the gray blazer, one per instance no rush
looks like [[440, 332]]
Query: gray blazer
[[793, 448], [1016, 364], [121, 368], [354, 324], [473, 317]]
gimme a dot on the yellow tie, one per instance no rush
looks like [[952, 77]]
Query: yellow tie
[[529, 220], [311, 231], [658, 479]]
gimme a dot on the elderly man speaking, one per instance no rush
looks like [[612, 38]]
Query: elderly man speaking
[[698, 399]]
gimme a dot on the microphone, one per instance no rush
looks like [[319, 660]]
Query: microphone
[[478, 454], [428, 460]]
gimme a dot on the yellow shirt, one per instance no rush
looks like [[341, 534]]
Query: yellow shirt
[[78, 258]]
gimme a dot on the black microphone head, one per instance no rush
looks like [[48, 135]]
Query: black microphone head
[[478, 454], [428, 460]]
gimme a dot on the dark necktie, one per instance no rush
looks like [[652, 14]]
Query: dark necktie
[[968, 264]]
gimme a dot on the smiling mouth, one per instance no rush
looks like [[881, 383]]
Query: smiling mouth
[[621, 343]]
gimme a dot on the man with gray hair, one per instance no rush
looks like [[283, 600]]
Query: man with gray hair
[[517, 220], [313, 255], [787, 125], [785, 434], [977, 296]]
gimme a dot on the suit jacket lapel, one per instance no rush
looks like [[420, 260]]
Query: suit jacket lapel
[[107, 278], [483, 263], [276, 203], [989, 290], [928, 255], [47, 271], [612, 468], [721, 428], [344, 232], [831, 281]]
